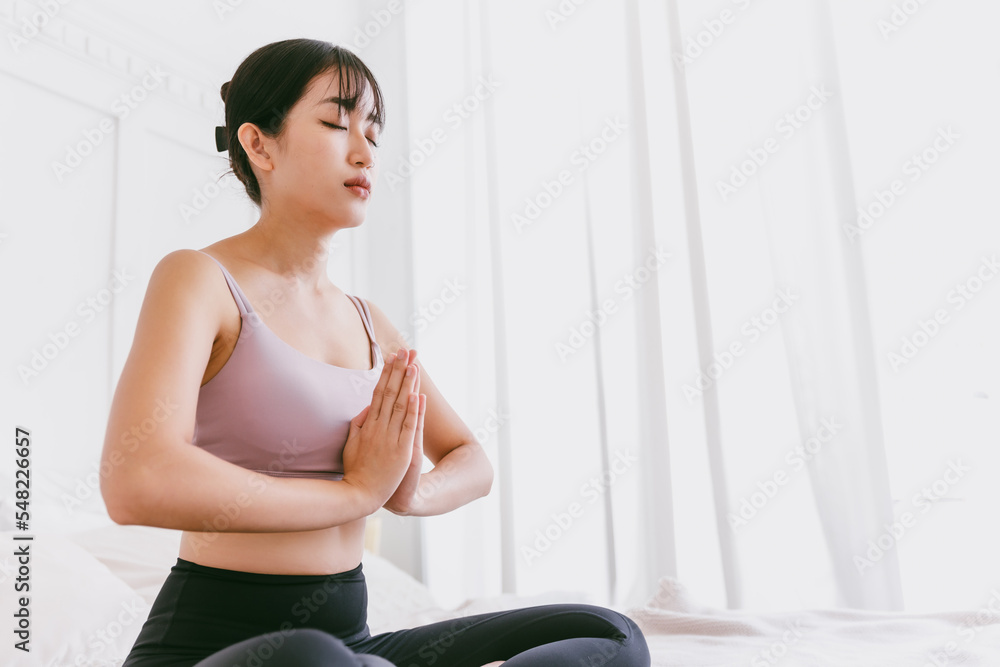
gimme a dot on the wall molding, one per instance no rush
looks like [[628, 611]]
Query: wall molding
[[66, 33]]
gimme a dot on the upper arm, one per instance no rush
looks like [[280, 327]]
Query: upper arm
[[153, 409], [444, 429]]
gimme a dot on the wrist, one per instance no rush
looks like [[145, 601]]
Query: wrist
[[412, 506], [417, 499], [366, 503]]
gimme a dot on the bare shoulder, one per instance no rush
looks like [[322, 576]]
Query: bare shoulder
[[186, 272], [186, 260], [184, 299]]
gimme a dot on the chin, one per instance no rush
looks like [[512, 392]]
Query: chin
[[353, 220]]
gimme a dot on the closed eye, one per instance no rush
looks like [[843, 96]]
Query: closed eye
[[338, 127]]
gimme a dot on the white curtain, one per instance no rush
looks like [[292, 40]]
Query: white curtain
[[732, 414]]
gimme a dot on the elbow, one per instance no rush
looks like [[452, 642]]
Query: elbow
[[121, 502], [118, 510], [488, 484], [119, 515], [120, 507]]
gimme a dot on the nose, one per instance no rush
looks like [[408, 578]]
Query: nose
[[362, 153]]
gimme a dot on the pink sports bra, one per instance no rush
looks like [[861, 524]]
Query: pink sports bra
[[276, 410]]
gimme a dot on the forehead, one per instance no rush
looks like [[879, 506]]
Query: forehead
[[324, 93]]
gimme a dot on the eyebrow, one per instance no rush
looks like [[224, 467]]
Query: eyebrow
[[347, 104]]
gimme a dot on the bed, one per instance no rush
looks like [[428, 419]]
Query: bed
[[91, 592]]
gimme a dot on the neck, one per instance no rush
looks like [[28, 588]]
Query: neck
[[295, 251]]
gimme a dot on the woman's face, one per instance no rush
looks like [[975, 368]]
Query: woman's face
[[322, 147]]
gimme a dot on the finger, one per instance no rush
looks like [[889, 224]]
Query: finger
[[390, 391], [405, 392], [359, 420], [379, 391], [416, 385], [409, 426], [421, 410]]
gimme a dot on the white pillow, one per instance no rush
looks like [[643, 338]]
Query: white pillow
[[141, 556], [395, 599], [81, 614], [6, 501]]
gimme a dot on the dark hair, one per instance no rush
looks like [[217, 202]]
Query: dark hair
[[269, 82]]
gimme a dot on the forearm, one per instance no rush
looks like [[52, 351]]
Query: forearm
[[463, 475], [192, 489]]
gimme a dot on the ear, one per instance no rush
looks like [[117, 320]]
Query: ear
[[255, 144]]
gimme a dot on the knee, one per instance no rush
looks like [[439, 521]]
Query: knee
[[619, 621], [633, 641], [624, 631]]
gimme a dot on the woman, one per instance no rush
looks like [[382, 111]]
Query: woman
[[269, 569]]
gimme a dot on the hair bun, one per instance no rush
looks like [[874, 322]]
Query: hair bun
[[225, 91]]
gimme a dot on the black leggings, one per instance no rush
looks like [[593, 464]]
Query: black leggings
[[213, 617]]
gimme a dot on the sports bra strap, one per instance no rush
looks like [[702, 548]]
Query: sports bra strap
[[367, 319], [241, 299]]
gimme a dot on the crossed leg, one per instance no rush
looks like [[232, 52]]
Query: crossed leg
[[550, 635]]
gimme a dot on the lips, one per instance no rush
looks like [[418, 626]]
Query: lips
[[360, 181]]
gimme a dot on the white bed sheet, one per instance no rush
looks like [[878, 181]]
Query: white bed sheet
[[680, 632]]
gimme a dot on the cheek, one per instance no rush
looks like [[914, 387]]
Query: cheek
[[311, 163]]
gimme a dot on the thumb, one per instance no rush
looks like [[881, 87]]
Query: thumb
[[359, 419]]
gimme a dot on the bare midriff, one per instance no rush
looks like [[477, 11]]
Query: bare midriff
[[323, 551]]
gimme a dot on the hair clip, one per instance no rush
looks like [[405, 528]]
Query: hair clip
[[221, 140]]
